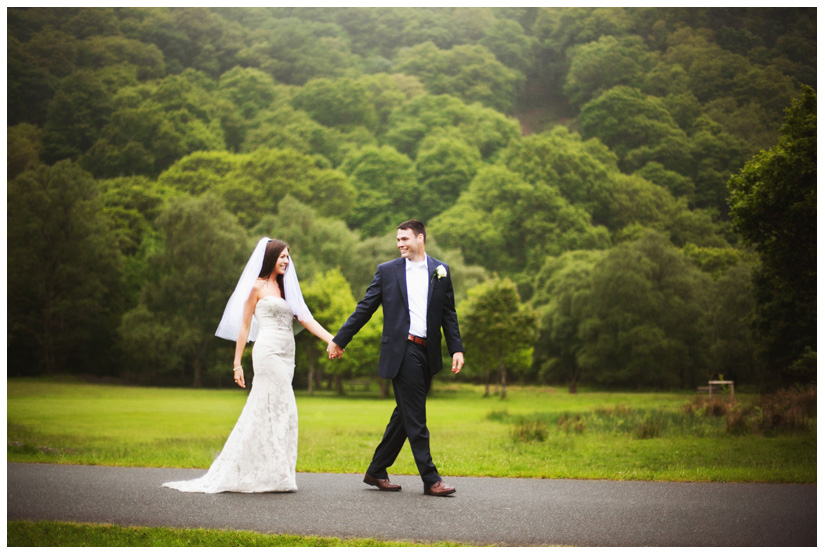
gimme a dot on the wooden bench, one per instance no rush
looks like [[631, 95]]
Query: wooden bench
[[716, 386]]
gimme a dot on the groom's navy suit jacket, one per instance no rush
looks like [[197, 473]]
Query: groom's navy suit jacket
[[389, 288]]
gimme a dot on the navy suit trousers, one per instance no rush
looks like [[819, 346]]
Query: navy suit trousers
[[409, 419]]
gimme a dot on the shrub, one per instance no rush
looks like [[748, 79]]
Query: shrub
[[649, 428], [575, 423], [530, 430], [783, 411], [713, 406]]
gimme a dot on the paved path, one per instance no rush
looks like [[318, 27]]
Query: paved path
[[502, 511]]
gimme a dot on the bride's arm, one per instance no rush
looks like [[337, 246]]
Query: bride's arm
[[243, 334], [317, 329]]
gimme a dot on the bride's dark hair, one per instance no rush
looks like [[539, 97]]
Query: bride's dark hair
[[274, 248]]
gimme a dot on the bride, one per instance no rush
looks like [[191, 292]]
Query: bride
[[261, 452]]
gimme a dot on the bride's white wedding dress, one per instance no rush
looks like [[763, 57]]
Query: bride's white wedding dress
[[262, 450]]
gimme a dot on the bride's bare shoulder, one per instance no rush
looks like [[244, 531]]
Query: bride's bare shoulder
[[257, 287]]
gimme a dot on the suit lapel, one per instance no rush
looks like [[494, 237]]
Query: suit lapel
[[401, 275], [431, 283]]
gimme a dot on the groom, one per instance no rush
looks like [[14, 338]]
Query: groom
[[416, 292]]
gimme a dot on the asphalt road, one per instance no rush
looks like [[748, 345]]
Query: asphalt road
[[499, 511]]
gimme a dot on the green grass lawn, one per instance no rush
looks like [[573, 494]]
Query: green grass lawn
[[536, 432], [68, 534]]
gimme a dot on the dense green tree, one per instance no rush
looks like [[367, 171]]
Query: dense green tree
[[581, 170], [717, 156], [609, 62], [86, 22], [286, 128], [773, 205], [252, 185], [470, 72], [340, 102], [154, 125], [133, 204], [678, 184], [510, 44], [509, 225], [64, 274], [559, 29], [294, 51], [77, 114], [388, 192], [151, 346], [643, 320], [488, 130], [444, 168], [250, 90], [728, 335], [191, 276], [24, 143], [54, 51], [638, 128], [329, 299], [710, 68], [562, 293], [499, 330], [29, 87], [99, 52]]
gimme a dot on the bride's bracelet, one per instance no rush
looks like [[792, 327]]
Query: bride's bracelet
[[237, 368]]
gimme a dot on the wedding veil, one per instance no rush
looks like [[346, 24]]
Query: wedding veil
[[232, 318]]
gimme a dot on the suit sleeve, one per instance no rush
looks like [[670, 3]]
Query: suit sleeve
[[363, 312], [449, 321]]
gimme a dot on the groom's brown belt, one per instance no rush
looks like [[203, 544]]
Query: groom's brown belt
[[417, 340]]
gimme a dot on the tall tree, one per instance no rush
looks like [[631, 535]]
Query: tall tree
[[562, 292], [191, 277], [642, 326], [773, 205], [499, 329], [64, 273]]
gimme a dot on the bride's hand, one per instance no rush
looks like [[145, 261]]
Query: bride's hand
[[239, 378]]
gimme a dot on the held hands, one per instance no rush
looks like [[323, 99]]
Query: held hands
[[458, 362], [334, 351]]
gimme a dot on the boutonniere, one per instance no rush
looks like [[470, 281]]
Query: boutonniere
[[440, 272]]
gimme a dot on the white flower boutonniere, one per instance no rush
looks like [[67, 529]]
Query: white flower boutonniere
[[440, 272]]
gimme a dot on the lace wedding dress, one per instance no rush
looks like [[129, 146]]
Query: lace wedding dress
[[262, 450]]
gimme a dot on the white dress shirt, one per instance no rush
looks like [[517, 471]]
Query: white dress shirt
[[418, 284]]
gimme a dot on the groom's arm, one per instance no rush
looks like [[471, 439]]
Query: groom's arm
[[449, 324], [449, 321], [363, 312]]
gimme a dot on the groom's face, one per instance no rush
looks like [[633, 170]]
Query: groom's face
[[410, 245]]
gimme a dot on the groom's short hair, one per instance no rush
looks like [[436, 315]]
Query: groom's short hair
[[416, 227]]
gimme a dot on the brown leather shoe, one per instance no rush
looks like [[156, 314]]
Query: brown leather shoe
[[381, 483], [440, 489]]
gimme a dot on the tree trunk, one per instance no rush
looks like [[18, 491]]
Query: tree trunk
[[384, 386], [319, 379], [197, 381], [339, 385], [503, 382], [574, 387], [311, 376], [486, 383]]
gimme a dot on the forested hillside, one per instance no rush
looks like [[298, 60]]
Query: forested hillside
[[571, 165]]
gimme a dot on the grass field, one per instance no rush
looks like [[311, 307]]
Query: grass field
[[536, 432], [68, 534]]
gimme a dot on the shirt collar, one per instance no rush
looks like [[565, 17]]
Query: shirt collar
[[416, 265]]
